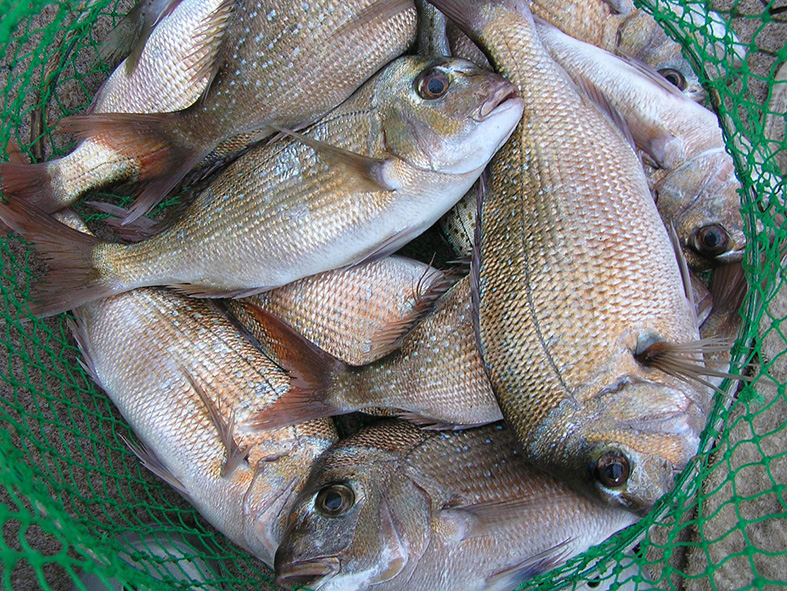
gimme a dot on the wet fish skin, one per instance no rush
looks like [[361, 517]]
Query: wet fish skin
[[184, 47], [555, 256], [149, 350], [455, 510], [281, 212], [434, 378], [359, 314], [278, 68]]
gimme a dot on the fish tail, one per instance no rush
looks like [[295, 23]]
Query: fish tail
[[31, 183], [161, 154], [312, 371], [72, 278]]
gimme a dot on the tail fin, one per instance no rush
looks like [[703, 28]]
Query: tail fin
[[162, 158], [72, 279], [311, 369], [29, 182]]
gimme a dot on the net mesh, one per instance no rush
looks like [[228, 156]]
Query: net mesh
[[75, 499]]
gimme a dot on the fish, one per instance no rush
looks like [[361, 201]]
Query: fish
[[184, 378], [378, 171], [568, 313], [616, 27], [702, 196], [642, 38], [277, 69], [395, 507], [358, 314], [435, 377], [173, 69]]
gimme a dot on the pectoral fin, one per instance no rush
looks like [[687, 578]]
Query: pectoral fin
[[368, 174]]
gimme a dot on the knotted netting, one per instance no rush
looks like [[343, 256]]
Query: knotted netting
[[76, 500]]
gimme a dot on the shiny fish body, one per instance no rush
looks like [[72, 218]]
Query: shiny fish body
[[564, 301], [282, 63], [678, 135], [173, 70], [458, 511], [140, 346], [282, 212], [436, 376], [354, 314]]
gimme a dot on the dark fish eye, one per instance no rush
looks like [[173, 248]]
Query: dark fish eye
[[612, 469], [334, 500], [432, 84], [674, 77], [711, 240]]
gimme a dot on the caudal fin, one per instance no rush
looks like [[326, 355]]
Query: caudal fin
[[311, 369], [72, 279], [162, 158]]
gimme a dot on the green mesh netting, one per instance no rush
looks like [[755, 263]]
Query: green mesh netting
[[73, 498]]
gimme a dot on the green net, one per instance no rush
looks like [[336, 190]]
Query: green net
[[75, 499]]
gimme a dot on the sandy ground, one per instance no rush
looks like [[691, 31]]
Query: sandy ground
[[58, 431]]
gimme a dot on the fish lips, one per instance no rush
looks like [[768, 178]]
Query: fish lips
[[306, 572]]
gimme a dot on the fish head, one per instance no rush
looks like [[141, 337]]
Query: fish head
[[358, 522], [279, 467], [642, 38], [446, 115], [702, 199], [628, 444]]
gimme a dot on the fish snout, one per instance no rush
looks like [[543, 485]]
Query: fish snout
[[304, 572], [497, 94]]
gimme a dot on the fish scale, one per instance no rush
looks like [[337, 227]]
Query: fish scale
[[286, 210], [562, 296]]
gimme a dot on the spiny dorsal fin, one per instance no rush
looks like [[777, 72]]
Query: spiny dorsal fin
[[235, 454], [373, 174]]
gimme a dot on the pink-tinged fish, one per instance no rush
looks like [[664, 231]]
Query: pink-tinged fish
[[359, 314], [576, 327], [282, 63], [170, 73], [697, 191], [435, 378], [368, 178], [396, 508], [185, 379]]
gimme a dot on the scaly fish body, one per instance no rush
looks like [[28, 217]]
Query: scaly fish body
[[282, 63], [678, 135], [695, 187], [281, 212], [356, 314], [172, 71], [435, 377], [564, 301], [394, 507], [151, 350]]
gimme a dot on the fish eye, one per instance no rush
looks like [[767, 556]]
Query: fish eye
[[612, 469], [334, 500], [432, 84], [711, 240], [674, 77]]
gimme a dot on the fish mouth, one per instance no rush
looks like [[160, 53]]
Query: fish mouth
[[307, 572], [504, 97]]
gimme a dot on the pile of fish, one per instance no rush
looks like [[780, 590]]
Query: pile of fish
[[531, 407]]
